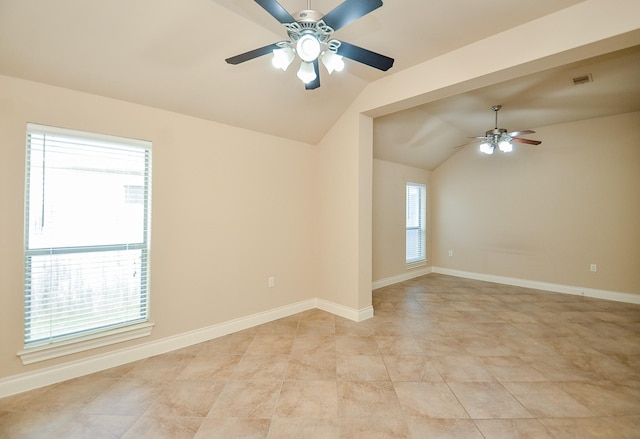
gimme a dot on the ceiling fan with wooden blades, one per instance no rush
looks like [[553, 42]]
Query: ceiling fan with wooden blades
[[500, 138], [311, 39]]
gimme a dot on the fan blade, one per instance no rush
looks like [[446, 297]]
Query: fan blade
[[255, 53], [527, 141], [519, 133], [276, 10], [365, 56], [348, 11], [316, 82]]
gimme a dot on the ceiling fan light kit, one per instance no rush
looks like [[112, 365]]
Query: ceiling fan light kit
[[332, 62], [310, 38], [282, 58], [306, 73], [308, 48], [501, 139]]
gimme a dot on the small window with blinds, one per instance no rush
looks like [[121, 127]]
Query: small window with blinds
[[87, 231], [416, 209]]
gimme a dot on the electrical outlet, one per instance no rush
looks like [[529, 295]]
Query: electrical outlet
[[272, 282], [450, 252], [593, 268]]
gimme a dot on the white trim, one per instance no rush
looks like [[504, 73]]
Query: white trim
[[416, 264], [400, 278], [344, 311], [46, 129], [73, 346], [365, 313], [545, 286], [55, 374]]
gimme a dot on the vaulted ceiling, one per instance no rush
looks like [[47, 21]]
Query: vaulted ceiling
[[427, 135], [170, 54]]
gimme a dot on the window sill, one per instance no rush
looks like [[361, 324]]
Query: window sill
[[49, 351], [416, 264]]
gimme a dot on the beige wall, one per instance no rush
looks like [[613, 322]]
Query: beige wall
[[339, 215], [585, 30], [304, 212], [389, 217], [230, 208], [546, 213]]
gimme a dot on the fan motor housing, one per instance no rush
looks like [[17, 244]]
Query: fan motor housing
[[307, 16], [496, 132]]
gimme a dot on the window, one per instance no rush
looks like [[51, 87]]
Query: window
[[416, 223], [88, 204]]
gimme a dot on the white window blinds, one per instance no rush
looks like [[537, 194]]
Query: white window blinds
[[416, 209], [87, 230]]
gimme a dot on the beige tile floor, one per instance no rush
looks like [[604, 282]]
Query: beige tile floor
[[443, 357]]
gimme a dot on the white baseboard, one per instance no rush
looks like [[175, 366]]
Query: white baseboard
[[43, 377], [400, 277], [346, 312], [545, 286], [55, 374]]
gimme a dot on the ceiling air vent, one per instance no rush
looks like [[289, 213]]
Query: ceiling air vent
[[583, 79]]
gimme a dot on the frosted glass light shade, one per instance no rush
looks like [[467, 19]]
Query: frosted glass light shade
[[486, 147], [307, 72], [332, 62], [505, 146], [282, 58], [308, 48]]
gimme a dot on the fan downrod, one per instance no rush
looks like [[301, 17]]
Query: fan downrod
[[496, 132]]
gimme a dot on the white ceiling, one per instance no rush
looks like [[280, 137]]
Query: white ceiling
[[170, 53]]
